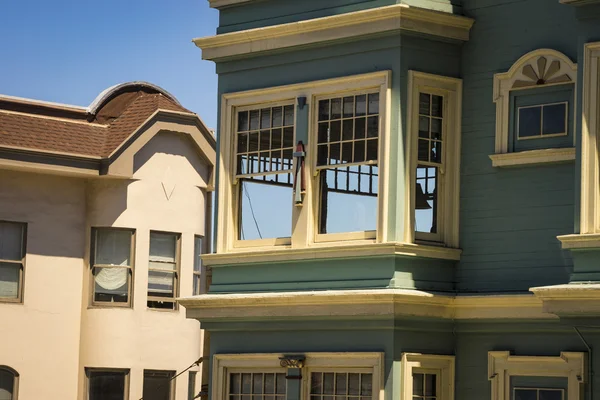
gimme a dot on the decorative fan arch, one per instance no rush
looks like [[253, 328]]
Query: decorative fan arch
[[542, 67]]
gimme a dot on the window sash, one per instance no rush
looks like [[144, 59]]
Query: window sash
[[158, 380], [95, 267], [163, 270], [15, 234], [90, 372]]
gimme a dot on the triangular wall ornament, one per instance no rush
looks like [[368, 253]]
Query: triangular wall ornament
[[168, 183]]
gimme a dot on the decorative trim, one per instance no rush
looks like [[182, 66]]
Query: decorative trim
[[542, 67], [451, 90], [580, 241], [327, 251], [589, 221], [441, 366], [533, 157], [502, 366], [570, 300], [344, 303], [295, 362], [343, 26]]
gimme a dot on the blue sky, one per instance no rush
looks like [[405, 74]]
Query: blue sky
[[68, 51]]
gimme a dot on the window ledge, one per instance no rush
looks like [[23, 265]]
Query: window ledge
[[580, 241], [533, 157], [331, 251]]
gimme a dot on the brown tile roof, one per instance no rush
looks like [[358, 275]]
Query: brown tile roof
[[46, 127]]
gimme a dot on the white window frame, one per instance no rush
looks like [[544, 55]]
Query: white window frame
[[515, 80], [440, 365], [565, 132], [502, 366], [304, 226], [368, 362], [449, 183], [538, 389]]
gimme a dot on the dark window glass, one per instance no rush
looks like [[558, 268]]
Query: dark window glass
[[105, 385], [555, 119], [157, 385], [530, 121]]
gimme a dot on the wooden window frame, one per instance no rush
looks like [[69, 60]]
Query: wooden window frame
[[541, 135], [538, 389], [315, 170], [20, 293], [131, 270], [176, 274], [168, 373], [15, 374], [303, 224], [125, 371], [449, 183], [502, 366], [442, 366]]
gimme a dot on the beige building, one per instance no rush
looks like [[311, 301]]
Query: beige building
[[103, 215]]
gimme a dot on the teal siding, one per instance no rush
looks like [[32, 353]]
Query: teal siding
[[510, 217]]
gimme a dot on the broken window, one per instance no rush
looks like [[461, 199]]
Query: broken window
[[347, 162], [264, 160]]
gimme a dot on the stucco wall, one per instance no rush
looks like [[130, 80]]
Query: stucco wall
[[40, 338]]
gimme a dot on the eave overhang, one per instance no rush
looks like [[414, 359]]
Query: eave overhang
[[399, 17], [571, 2]]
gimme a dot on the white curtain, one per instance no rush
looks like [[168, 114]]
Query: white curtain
[[162, 247], [111, 278], [113, 247]]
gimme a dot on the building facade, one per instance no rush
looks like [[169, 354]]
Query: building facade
[[103, 215], [407, 200]]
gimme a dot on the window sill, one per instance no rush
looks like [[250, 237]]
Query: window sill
[[533, 157], [329, 251], [580, 241]]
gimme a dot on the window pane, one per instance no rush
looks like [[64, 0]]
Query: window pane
[[106, 385], [348, 199], [430, 385], [11, 241], [9, 280], [7, 381], [111, 284], [161, 283], [113, 247], [266, 209], [192, 385], [157, 385], [525, 394], [530, 121], [197, 253], [418, 384], [163, 247], [551, 394], [555, 119], [426, 199]]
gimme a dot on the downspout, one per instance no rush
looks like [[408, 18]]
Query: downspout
[[590, 364]]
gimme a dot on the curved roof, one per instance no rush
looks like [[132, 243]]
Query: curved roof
[[115, 90]]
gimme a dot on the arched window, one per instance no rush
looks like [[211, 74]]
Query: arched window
[[8, 383]]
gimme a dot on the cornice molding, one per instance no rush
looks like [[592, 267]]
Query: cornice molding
[[365, 22], [570, 300], [328, 251], [580, 241], [357, 303]]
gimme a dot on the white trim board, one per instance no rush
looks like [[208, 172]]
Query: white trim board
[[398, 17]]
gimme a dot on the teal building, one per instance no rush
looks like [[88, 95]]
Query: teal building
[[407, 201]]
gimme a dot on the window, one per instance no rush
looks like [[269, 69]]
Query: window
[[12, 261], [106, 384], [341, 386], [302, 164], [534, 110], [112, 267], [192, 385], [159, 385], [264, 156], [8, 383], [163, 270], [434, 136], [347, 156], [257, 386], [539, 394], [197, 265], [427, 377], [536, 378]]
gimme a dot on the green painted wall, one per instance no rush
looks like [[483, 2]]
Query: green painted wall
[[510, 217]]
